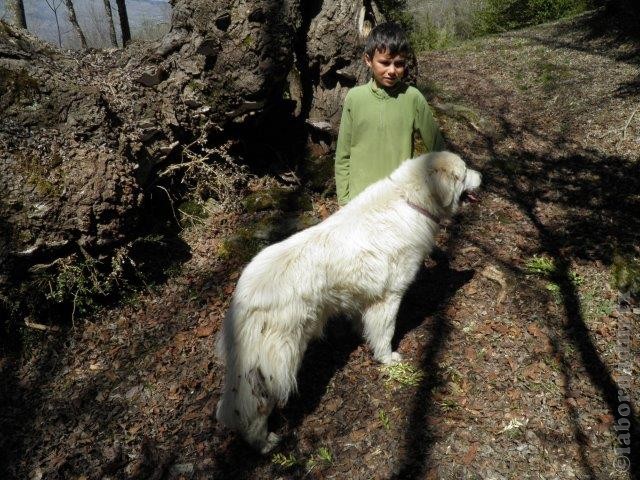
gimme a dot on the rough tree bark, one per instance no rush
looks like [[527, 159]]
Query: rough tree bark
[[16, 7], [112, 28], [124, 22], [334, 54], [83, 135], [71, 11]]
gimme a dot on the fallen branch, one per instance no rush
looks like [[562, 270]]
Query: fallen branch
[[493, 273], [624, 130], [40, 326]]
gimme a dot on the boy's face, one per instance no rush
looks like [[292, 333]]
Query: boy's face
[[387, 70]]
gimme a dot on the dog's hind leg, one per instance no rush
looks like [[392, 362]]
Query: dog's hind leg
[[379, 324]]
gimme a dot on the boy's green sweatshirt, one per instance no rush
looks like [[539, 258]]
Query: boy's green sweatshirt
[[376, 135]]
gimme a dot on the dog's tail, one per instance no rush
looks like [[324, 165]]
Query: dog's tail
[[261, 367]]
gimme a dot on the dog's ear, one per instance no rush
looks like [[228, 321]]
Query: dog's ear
[[443, 186]]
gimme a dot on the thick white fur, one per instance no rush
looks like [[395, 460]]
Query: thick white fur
[[359, 261]]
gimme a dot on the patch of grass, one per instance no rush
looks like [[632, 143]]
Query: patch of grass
[[283, 460], [594, 306], [449, 404], [322, 457], [550, 75], [404, 373], [384, 419], [81, 283], [429, 88], [546, 267], [325, 455], [540, 266]]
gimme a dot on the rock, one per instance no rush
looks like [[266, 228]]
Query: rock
[[152, 78]]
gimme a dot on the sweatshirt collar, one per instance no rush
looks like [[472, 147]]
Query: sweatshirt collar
[[383, 93]]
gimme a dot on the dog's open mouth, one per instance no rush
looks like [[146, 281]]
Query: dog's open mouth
[[469, 196]]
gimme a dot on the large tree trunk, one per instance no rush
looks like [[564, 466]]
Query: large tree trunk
[[124, 22], [82, 141], [112, 28], [17, 8], [71, 11], [335, 53]]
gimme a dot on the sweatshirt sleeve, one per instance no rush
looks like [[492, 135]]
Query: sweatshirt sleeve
[[343, 154], [428, 128]]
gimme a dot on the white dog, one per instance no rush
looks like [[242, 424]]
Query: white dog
[[359, 261]]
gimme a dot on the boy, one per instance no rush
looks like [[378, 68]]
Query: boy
[[380, 117]]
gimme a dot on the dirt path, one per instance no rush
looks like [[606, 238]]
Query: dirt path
[[513, 330]]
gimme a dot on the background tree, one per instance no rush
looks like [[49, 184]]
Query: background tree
[[74, 23], [17, 8], [112, 29], [54, 5], [124, 22]]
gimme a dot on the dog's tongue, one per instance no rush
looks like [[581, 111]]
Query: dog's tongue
[[471, 197]]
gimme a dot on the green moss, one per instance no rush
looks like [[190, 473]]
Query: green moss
[[248, 41], [267, 199], [36, 173], [44, 187], [195, 85], [320, 172], [242, 246], [4, 29], [18, 82], [25, 236], [626, 274], [191, 213], [268, 228], [306, 220]]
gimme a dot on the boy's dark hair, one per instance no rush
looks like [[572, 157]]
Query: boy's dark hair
[[387, 37]]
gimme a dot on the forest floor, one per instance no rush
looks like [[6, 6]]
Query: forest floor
[[513, 335]]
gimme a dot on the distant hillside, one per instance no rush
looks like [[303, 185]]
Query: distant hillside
[[147, 18]]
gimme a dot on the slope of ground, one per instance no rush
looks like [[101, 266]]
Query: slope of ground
[[517, 340]]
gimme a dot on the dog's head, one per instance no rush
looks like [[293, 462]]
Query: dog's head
[[440, 182]]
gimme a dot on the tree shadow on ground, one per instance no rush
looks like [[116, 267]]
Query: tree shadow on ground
[[17, 399], [560, 246], [597, 195], [426, 298]]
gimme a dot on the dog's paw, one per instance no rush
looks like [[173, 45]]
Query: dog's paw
[[396, 357], [270, 443], [392, 359]]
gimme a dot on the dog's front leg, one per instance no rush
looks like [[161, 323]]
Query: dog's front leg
[[379, 324]]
